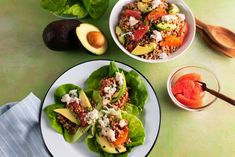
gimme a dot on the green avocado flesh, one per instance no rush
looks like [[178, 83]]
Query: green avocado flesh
[[82, 30], [121, 90], [141, 50], [109, 147], [165, 26], [120, 35]]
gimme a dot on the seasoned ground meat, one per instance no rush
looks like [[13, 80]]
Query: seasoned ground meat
[[70, 126], [78, 112], [106, 83]]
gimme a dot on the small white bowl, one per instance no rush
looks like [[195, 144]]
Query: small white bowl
[[114, 17]]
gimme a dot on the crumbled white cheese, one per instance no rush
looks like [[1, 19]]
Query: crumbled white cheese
[[109, 133], [92, 116], [110, 90], [181, 16], [73, 93], [119, 78], [167, 18], [112, 111], [163, 55], [71, 97], [156, 3], [104, 122], [156, 35], [133, 21], [122, 123], [105, 100]]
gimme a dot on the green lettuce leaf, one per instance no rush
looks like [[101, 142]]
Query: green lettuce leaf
[[73, 138], [136, 129], [96, 8], [77, 10], [49, 110], [132, 109], [62, 90], [53, 5], [138, 90]]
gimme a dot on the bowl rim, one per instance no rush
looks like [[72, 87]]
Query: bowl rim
[[111, 28], [185, 107]]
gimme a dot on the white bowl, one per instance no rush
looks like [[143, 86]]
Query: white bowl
[[114, 17]]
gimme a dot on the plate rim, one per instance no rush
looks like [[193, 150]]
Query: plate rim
[[42, 102]]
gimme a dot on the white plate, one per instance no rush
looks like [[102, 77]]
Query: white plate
[[56, 144]]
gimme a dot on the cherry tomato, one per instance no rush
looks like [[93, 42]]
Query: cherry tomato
[[134, 13], [183, 32], [155, 14], [138, 34], [171, 40], [122, 137]]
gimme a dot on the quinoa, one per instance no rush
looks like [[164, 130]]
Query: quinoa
[[128, 30]]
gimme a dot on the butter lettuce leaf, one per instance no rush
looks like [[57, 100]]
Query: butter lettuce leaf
[[138, 90], [53, 5], [62, 90], [49, 110], [76, 9], [96, 8], [132, 109]]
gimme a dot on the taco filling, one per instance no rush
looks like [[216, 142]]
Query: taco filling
[[114, 91]]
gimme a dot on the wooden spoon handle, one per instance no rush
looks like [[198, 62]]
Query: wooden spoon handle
[[200, 24], [221, 96]]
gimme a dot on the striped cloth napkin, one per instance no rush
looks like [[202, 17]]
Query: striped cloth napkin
[[19, 129]]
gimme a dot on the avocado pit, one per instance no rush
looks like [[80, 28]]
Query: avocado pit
[[96, 39]]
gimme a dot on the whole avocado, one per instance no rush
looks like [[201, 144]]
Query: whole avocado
[[61, 35]]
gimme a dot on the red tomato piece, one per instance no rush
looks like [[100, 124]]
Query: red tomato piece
[[122, 137], [183, 33], [189, 102], [139, 34], [134, 13], [187, 91], [155, 14]]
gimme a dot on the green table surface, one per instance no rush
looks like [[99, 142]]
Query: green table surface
[[27, 65]]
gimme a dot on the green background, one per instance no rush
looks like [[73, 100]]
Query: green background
[[27, 65]]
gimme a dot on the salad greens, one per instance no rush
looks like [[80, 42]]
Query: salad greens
[[78, 8]]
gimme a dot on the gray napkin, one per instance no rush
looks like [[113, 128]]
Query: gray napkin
[[19, 129]]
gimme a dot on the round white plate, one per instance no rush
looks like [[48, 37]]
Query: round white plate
[[55, 143]]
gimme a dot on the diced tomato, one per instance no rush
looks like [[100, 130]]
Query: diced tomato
[[155, 14], [171, 40], [134, 13], [138, 34], [130, 47], [187, 91], [189, 102], [190, 76], [183, 33], [122, 137]]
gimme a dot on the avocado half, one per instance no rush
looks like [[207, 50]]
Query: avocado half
[[60, 35], [82, 32]]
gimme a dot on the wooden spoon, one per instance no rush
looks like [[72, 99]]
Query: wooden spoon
[[215, 93], [219, 35], [215, 46]]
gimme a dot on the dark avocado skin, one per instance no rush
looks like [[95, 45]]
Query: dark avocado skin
[[61, 35]]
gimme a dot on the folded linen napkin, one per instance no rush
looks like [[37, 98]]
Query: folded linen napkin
[[19, 129]]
